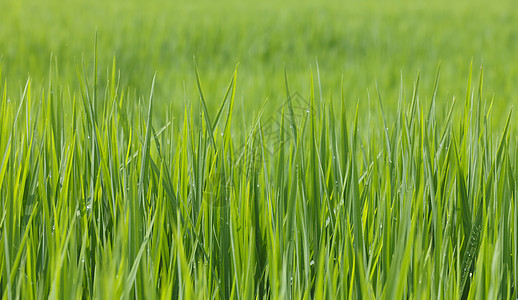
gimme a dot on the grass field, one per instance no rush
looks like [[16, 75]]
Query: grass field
[[258, 150]]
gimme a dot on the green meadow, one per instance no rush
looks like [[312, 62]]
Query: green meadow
[[262, 150]]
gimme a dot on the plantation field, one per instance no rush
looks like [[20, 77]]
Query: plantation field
[[263, 150], [366, 43]]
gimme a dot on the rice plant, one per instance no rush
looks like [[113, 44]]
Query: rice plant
[[99, 200]]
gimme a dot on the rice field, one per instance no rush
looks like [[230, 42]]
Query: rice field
[[313, 150]]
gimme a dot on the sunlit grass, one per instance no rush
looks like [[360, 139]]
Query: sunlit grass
[[100, 201]]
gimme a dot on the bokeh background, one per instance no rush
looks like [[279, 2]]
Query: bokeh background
[[364, 42]]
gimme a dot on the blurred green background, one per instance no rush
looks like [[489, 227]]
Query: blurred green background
[[366, 42]]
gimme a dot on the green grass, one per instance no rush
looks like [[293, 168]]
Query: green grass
[[319, 167], [99, 203]]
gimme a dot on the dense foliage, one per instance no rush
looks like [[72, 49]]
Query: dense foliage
[[321, 167], [97, 202]]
